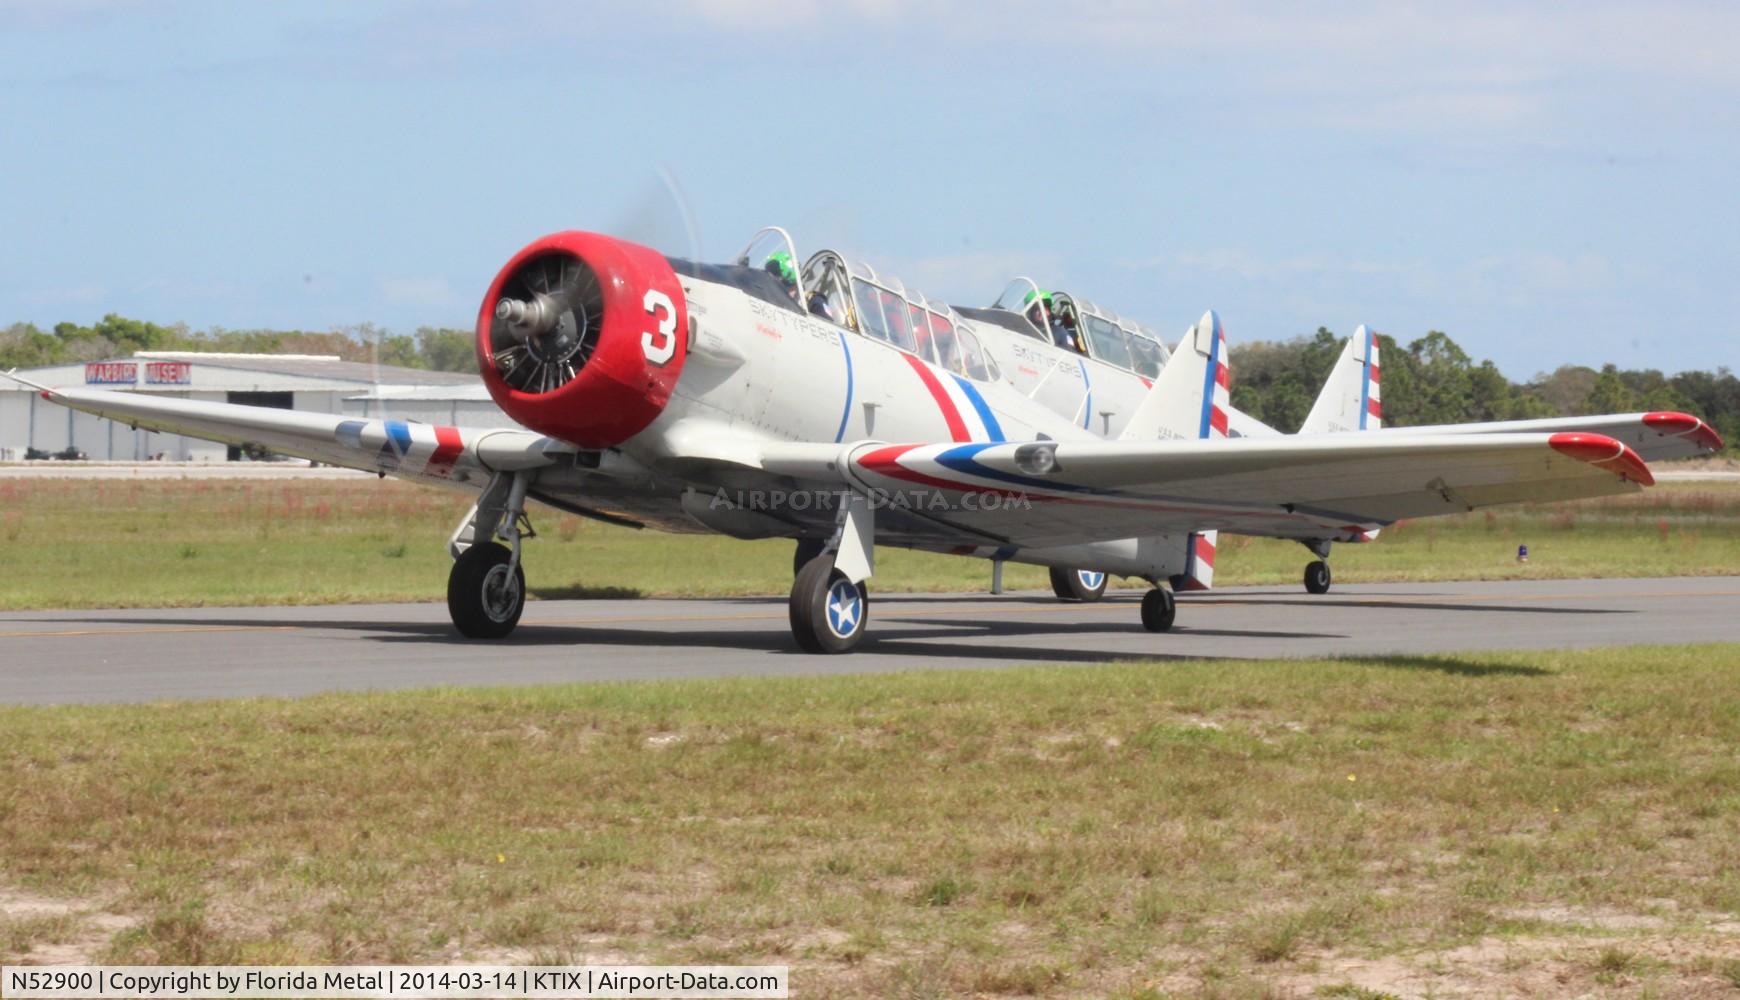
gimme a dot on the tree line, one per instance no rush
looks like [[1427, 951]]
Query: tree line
[[23, 345], [1431, 380]]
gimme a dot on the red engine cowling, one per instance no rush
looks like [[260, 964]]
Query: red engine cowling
[[582, 337]]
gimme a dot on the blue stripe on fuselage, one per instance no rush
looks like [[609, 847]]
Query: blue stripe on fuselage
[[991, 426], [1088, 403], [845, 411]]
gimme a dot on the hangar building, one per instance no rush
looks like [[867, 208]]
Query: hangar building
[[317, 382]]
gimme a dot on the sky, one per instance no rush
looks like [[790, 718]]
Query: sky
[[1547, 183]]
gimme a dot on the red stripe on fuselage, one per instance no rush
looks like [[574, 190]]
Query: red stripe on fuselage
[[951, 414]]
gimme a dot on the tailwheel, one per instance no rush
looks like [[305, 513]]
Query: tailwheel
[[485, 592], [1078, 584], [828, 611], [1159, 610], [1317, 577]]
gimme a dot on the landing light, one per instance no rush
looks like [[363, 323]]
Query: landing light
[[1036, 459]]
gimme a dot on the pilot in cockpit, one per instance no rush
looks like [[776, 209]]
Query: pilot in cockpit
[[780, 266], [1066, 332], [1038, 303], [1060, 324]]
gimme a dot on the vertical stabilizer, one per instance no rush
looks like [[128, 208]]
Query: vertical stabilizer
[[1350, 400], [1190, 401]]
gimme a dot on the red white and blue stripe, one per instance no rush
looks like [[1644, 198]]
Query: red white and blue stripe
[[406, 447], [964, 410]]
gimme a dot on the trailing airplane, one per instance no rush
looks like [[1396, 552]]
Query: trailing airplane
[[1081, 360], [833, 406]]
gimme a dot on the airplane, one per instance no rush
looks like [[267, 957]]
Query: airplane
[[846, 413], [1048, 333]]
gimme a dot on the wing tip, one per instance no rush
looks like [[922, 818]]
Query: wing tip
[[1684, 425], [1604, 452]]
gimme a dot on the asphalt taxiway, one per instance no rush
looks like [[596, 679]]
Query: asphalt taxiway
[[150, 655]]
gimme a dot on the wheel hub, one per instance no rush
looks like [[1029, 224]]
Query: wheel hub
[[845, 609], [501, 593]]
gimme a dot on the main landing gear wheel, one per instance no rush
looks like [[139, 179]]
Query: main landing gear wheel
[[828, 611], [1159, 610], [483, 597], [1317, 577], [1078, 584]]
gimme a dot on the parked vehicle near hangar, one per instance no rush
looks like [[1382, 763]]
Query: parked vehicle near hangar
[[831, 405]]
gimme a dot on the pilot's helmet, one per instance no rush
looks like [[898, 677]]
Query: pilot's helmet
[[780, 266], [1031, 305]]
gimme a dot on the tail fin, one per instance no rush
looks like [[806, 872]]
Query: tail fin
[[1350, 400], [1190, 400], [1198, 562]]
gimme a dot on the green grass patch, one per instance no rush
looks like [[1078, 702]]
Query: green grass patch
[[1196, 828], [81, 544]]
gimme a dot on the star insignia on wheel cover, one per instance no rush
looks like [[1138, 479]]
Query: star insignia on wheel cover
[[843, 609]]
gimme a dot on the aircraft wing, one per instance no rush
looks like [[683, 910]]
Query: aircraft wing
[[393, 447], [1654, 436], [1308, 487]]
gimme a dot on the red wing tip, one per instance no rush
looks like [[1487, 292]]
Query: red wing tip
[[48, 395], [1684, 425], [1603, 452], [1671, 423]]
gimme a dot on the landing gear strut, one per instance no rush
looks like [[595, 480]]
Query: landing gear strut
[[486, 589], [1078, 584]]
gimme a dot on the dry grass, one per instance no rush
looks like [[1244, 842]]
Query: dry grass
[[1545, 823], [82, 544]]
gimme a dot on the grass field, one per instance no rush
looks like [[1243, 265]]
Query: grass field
[[187, 542], [1477, 825]]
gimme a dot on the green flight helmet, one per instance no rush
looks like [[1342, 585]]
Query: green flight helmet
[[779, 265]]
